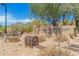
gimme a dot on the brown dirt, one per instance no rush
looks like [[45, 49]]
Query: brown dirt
[[19, 48]]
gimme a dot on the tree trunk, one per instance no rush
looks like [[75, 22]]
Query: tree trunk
[[63, 18], [55, 22], [76, 24]]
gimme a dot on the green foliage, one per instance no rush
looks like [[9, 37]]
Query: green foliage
[[51, 11], [61, 23], [17, 26], [2, 28], [54, 11], [38, 22], [38, 9], [71, 23], [65, 22], [27, 28]]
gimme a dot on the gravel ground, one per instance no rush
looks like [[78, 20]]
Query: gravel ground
[[19, 48]]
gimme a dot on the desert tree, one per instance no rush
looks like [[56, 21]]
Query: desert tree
[[46, 11], [66, 10], [50, 12], [76, 17]]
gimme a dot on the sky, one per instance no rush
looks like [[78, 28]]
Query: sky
[[16, 12]]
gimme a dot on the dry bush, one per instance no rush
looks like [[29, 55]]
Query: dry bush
[[13, 39], [72, 35], [54, 51], [61, 38], [41, 39]]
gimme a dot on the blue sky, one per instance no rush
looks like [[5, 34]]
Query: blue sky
[[17, 12], [20, 11]]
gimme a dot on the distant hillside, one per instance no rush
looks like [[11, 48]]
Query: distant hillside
[[27, 27], [17, 24]]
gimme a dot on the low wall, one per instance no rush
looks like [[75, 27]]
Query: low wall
[[67, 30], [46, 30]]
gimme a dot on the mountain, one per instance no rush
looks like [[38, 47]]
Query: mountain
[[17, 24]]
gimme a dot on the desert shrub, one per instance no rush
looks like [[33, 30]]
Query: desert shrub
[[2, 28], [60, 24], [72, 35], [66, 22], [13, 39], [41, 39], [61, 38], [1, 33], [71, 23], [55, 51], [27, 29]]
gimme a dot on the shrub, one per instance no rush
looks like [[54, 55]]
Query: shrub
[[61, 38], [55, 51], [13, 39], [41, 39], [27, 29]]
